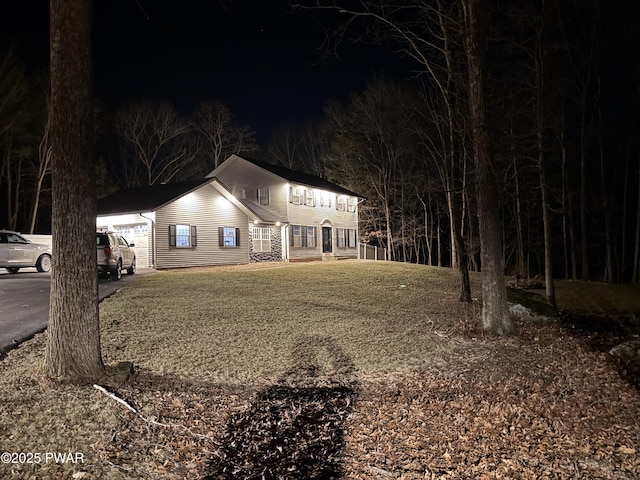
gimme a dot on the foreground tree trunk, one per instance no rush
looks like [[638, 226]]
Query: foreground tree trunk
[[495, 311], [73, 337]]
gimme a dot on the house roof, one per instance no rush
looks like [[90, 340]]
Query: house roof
[[146, 199], [266, 215], [151, 198], [295, 176]]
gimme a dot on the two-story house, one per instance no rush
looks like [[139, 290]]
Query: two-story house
[[244, 211]]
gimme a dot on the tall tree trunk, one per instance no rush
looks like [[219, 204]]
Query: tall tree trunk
[[463, 258], [636, 255], [550, 291], [438, 234], [495, 311], [73, 336], [584, 248], [565, 235], [522, 269]]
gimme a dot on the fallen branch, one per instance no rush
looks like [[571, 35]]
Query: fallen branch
[[113, 396]]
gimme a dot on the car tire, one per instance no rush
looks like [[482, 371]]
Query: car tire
[[117, 273], [44, 263], [13, 269], [132, 269]]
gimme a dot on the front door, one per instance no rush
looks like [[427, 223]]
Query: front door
[[326, 240]]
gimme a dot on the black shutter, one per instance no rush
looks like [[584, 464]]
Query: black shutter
[[194, 236], [172, 235], [221, 236], [315, 236], [237, 237], [291, 235]]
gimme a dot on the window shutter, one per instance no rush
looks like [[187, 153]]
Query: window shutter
[[291, 235], [315, 236], [237, 237], [172, 235], [221, 236], [194, 236]]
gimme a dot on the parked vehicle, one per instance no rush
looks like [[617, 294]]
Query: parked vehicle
[[17, 252], [114, 255]]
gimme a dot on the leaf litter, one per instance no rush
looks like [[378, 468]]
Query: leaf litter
[[541, 404]]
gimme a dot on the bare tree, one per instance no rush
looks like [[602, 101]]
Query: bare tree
[[372, 145], [73, 335], [42, 164], [14, 117], [152, 144], [222, 135], [284, 146]]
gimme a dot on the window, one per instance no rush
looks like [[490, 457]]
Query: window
[[295, 196], [260, 239], [351, 204], [341, 203], [309, 198], [228, 237], [183, 236], [263, 195], [325, 200], [345, 237], [351, 238], [311, 237], [303, 236]]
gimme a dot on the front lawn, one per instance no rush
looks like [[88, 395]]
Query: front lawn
[[323, 370]]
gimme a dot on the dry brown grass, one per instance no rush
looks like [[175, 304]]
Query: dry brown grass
[[433, 398]]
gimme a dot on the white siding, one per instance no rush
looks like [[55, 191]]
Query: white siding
[[207, 209], [243, 176], [317, 217]]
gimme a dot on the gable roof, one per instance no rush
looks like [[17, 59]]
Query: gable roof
[[151, 198], [146, 199], [293, 176]]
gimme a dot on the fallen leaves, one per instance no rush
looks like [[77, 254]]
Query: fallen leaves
[[551, 410]]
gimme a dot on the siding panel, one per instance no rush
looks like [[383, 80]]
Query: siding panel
[[207, 209]]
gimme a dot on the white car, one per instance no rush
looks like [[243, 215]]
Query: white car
[[17, 252]]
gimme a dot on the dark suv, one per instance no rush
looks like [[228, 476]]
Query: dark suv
[[114, 254]]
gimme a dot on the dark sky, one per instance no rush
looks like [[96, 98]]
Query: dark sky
[[254, 54]]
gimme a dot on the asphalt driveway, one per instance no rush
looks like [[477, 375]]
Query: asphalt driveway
[[24, 302]]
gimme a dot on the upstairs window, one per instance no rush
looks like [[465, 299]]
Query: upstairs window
[[263, 195], [309, 198], [351, 204], [295, 195], [341, 203], [325, 200]]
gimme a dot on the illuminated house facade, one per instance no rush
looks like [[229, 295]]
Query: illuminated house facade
[[244, 211]]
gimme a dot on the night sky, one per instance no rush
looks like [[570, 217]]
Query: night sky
[[254, 54]]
